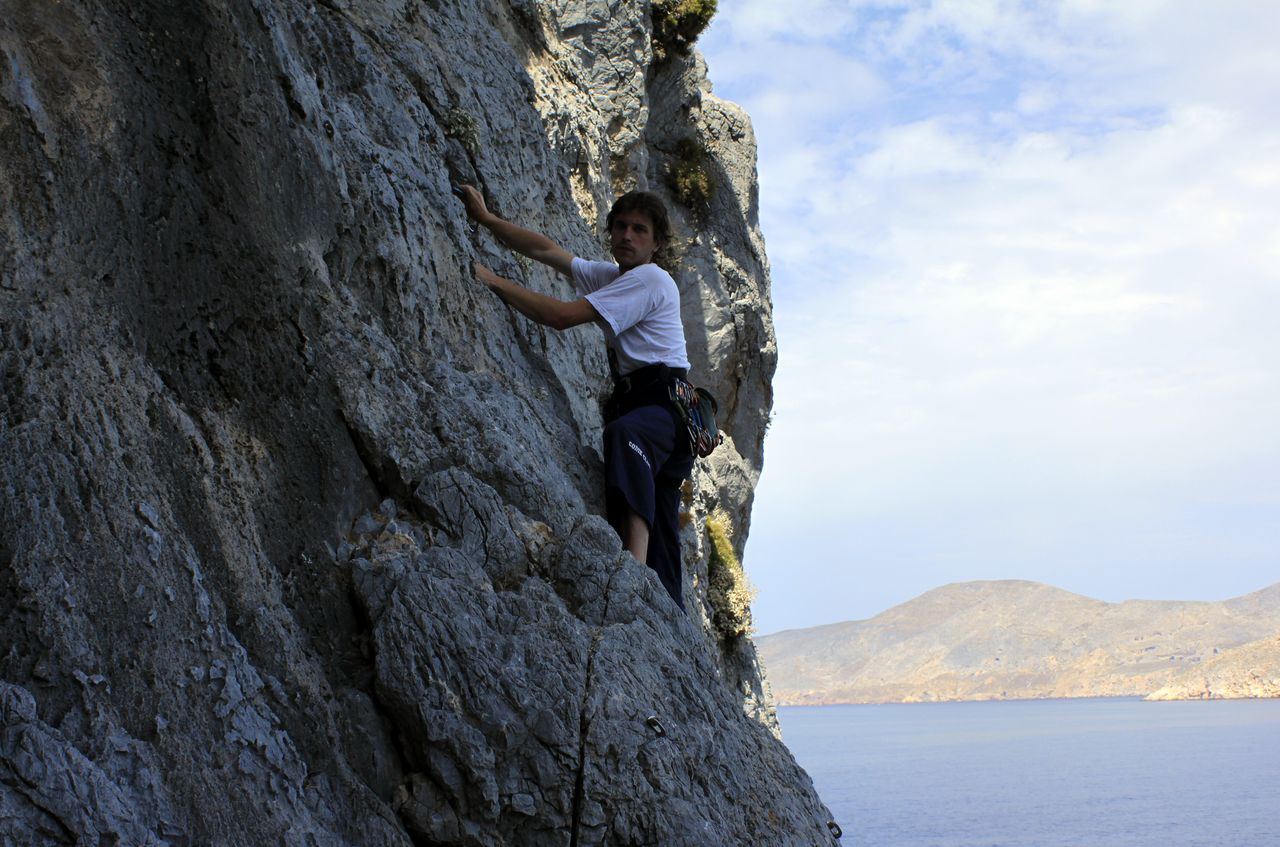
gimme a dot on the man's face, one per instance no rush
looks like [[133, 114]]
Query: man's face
[[632, 239]]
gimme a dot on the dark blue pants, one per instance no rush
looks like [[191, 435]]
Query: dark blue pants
[[646, 458]]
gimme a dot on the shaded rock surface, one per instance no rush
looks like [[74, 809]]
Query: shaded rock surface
[[298, 541], [1012, 639]]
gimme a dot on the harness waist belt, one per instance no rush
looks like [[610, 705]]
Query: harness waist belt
[[646, 376]]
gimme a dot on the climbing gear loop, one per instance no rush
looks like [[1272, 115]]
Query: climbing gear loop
[[698, 410]]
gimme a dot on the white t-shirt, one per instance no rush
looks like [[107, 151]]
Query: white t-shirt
[[641, 309]]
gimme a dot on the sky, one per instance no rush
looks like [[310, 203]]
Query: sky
[[1026, 281]]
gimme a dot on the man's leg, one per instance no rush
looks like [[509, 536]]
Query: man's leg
[[636, 446], [637, 538], [633, 451], [664, 540]]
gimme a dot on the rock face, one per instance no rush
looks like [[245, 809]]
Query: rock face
[[299, 541], [1018, 640]]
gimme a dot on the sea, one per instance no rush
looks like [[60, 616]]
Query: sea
[[1113, 772]]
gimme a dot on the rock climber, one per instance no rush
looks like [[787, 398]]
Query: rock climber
[[646, 448]]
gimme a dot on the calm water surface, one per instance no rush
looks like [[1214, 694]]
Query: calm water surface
[[1046, 773]]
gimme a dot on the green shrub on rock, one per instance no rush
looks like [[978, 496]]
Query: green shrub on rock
[[678, 23], [690, 178], [728, 591], [460, 125]]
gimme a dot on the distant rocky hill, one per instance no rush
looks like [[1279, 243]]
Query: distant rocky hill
[[1249, 671], [1020, 640]]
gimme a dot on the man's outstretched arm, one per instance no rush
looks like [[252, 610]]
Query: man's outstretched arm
[[548, 311], [535, 245]]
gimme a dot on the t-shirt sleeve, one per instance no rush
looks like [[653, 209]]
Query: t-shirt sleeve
[[624, 302], [591, 276]]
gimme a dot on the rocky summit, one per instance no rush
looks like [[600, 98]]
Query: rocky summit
[[301, 539]]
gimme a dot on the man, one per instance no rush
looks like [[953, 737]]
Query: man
[[637, 304]]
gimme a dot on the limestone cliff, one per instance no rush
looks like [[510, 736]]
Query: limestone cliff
[[1013, 639], [300, 539]]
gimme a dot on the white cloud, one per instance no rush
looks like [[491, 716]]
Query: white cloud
[[774, 23], [1029, 272]]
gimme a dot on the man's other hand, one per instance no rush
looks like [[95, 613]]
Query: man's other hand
[[486, 276]]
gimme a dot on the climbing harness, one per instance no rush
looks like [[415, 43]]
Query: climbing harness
[[644, 386]]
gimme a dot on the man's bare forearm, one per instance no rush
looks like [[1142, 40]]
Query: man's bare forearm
[[526, 241], [533, 244], [538, 307]]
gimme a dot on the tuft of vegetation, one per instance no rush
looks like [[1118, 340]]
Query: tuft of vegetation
[[459, 124], [678, 23], [690, 177], [728, 591]]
